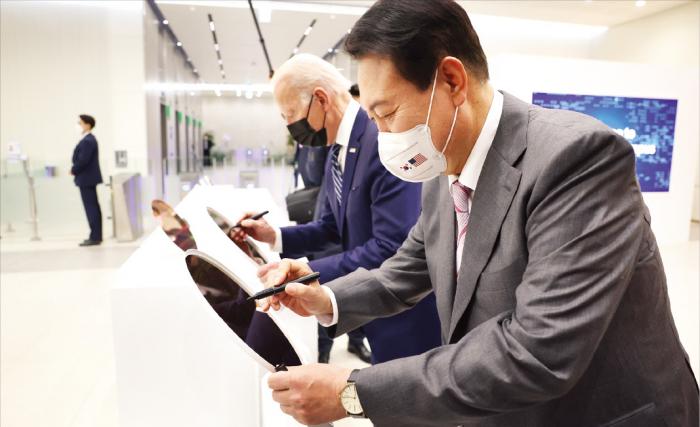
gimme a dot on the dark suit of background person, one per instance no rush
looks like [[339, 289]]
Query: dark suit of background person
[[86, 169], [560, 315], [376, 212]]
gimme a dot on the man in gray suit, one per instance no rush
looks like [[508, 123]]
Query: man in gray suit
[[534, 237]]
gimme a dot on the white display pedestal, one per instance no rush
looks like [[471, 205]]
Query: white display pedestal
[[174, 365]]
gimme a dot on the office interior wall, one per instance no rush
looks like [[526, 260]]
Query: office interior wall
[[249, 123], [165, 64], [671, 38], [59, 60], [670, 211], [695, 215]]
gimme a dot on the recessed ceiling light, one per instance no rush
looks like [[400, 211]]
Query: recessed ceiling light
[[330, 50], [179, 43], [165, 22], [195, 70], [216, 47], [211, 25], [641, 3], [221, 61], [264, 15]]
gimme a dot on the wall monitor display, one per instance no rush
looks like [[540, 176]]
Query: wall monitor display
[[250, 248], [228, 297], [648, 124], [175, 227]]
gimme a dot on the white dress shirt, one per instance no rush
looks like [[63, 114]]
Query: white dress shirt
[[468, 177], [472, 168]]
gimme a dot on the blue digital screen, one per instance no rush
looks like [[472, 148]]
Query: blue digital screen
[[648, 124]]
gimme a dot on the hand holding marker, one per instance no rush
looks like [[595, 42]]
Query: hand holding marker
[[283, 287], [252, 218]]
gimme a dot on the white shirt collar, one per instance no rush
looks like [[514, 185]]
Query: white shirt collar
[[346, 124], [472, 169]]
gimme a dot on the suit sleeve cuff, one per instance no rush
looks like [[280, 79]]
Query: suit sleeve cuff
[[277, 246], [328, 320]]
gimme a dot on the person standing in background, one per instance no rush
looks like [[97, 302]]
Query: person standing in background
[[86, 169]]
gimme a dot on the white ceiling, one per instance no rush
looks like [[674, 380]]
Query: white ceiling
[[241, 52], [244, 61], [594, 12]]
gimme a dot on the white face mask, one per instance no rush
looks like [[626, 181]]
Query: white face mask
[[411, 155], [79, 129]]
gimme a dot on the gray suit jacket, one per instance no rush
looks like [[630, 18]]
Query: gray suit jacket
[[560, 316]]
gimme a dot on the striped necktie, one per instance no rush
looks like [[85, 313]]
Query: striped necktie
[[337, 174], [460, 194]]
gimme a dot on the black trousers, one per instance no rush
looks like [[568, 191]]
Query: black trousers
[[92, 210]]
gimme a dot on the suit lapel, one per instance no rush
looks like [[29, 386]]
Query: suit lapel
[[496, 188], [358, 129]]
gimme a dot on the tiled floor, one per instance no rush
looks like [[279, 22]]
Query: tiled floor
[[56, 352]]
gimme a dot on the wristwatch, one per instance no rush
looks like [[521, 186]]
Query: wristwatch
[[348, 397]]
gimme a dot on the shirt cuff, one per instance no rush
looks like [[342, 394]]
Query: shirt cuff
[[327, 320], [277, 246]]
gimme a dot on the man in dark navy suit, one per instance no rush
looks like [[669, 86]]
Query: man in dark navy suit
[[367, 210], [86, 169]]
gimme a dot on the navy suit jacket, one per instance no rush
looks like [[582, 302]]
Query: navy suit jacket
[[86, 165], [376, 213]]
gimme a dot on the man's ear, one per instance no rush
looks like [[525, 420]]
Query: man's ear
[[453, 72], [323, 98]]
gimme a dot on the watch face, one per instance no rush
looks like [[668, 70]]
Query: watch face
[[349, 400]]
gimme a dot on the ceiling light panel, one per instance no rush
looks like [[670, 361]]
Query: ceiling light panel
[[219, 61]]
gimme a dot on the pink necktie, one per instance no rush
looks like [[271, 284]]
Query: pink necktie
[[460, 193]]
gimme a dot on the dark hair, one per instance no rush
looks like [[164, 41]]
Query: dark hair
[[416, 35], [355, 90], [88, 120]]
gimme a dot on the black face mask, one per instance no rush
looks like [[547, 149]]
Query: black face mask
[[304, 134]]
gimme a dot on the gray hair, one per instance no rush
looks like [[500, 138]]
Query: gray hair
[[305, 72]]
